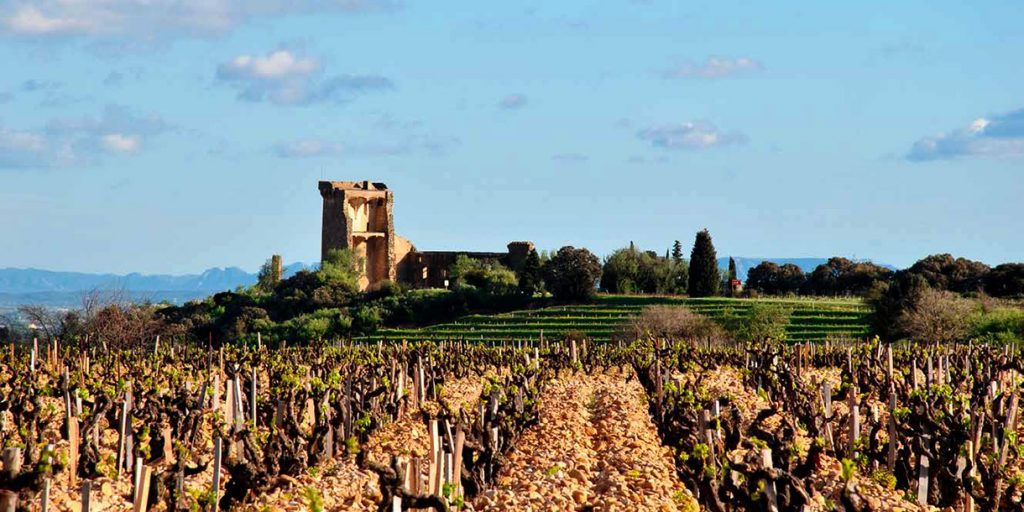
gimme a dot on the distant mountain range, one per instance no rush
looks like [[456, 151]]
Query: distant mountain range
[[66, 289]]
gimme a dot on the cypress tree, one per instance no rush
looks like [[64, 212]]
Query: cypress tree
[[704, 275], [677, 252], [732, 275]]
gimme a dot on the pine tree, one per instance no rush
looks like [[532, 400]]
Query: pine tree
[[704, 275], [677, 252]]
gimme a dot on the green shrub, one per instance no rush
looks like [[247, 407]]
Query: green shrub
[[999, 325], [761, 321], [487, 275]]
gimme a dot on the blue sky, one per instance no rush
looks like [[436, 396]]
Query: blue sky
[[179, 135]]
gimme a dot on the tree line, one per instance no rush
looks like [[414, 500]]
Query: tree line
[[631, 270], [841, 276]]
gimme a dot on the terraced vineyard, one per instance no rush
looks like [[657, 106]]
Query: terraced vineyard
[[811, 319]]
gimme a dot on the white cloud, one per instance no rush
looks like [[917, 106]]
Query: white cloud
[[151, 19], [31, 21], [68, 142], [1000, 135], [689, 135], [119, 143], [277, 64], [307, 148], [21, 149], [513, 101], [715, 67], [286, 78], [410, 144]]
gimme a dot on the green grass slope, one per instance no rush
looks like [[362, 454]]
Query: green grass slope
[[811, 319]]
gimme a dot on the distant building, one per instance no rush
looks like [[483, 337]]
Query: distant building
[[736, 286], [358, 215]]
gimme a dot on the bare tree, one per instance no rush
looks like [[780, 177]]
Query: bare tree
[[43, 318], [126, 326], [937, 316], [96, 299]]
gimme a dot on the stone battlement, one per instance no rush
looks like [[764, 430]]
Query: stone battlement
[[331, 186]]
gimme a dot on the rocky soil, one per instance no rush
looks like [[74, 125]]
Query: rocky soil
[[595, 448]]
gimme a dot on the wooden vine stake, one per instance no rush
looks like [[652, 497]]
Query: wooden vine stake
[[826, 396], [968, 499], [122, 432], [217, 455], [1009, 426], [854, 421], [136, 478], [44, 500], [888, 366], [460, 442], [239, 416], [922, 476], [891, 461], [215, 404], [8, 501], [73, 435], [86, 495], [252, 399], [435, 448], [658, 388], [439, 472], [769, 488], [142, 494], [415, 477], [279, 414], [12, 462]]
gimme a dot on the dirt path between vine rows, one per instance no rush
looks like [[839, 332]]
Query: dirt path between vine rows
[[594, 446]]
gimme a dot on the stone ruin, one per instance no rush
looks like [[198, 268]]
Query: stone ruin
[[358, 215]]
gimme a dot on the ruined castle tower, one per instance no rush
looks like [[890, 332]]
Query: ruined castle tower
[[358, 216]]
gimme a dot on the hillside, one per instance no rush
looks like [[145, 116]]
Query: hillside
[[811, 319]]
